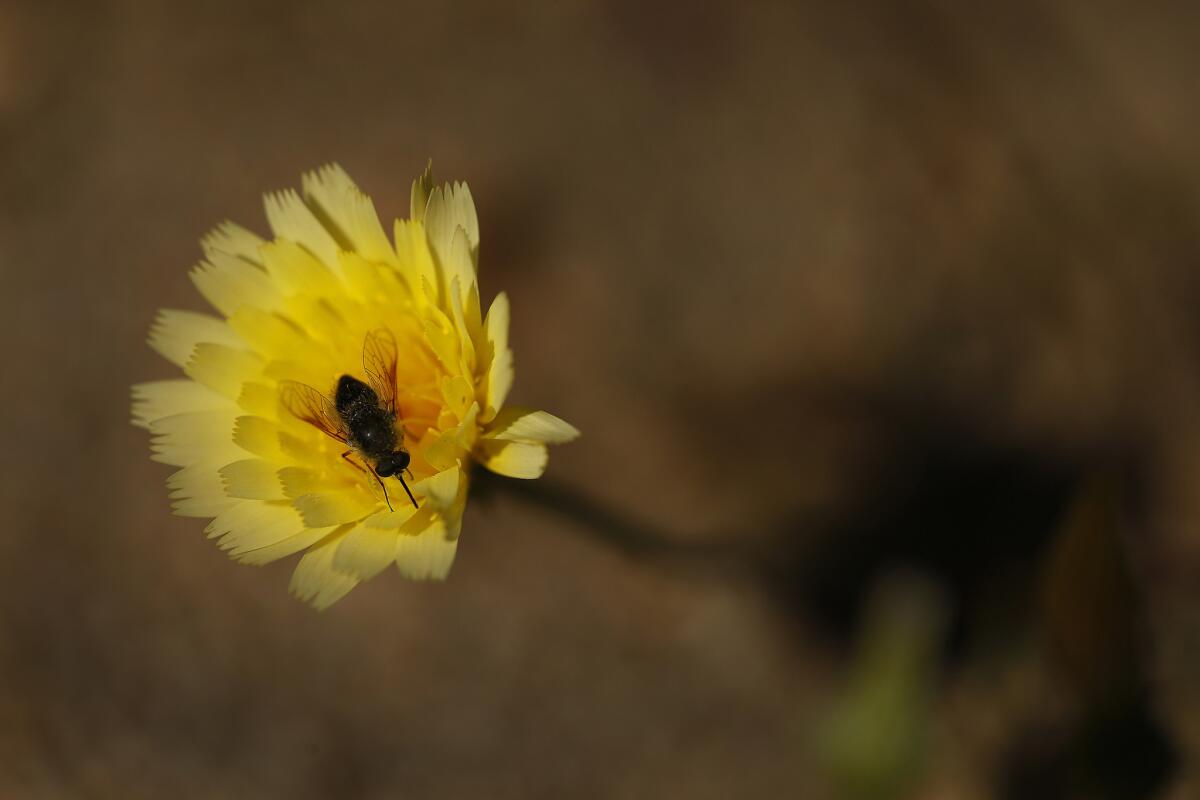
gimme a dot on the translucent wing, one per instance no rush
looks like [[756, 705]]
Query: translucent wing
[[379, 362], [304, 402]]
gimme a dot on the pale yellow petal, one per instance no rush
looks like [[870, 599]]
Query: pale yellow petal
[[222, 368], [347, 212], [290, 219], [158, 399], [514, 459], [441, 489], [312, 450], [443, 340], [252, 479], [447, 449], [401, 519], [288, 545], [500, 374], [418, 198], [260, 399], [451, 207], [259, 436], [229, 283], [457, 394], [322, 320], [416, 261], [365, 551], [334, 507], [175, 334], [316, 580], [320, 474], [196, 491], [249, 525], [296, 270], [526, 425], [467, 337], [265, 332], [299, 481], [452, 516], [194, 437], [374, 283], [234, 240], [426, 556]]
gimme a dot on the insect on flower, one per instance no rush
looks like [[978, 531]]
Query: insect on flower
[[360, 415], [335, 358]]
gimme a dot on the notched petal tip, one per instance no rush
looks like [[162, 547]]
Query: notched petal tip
[[427, 556], [422, 187], [316, 580]]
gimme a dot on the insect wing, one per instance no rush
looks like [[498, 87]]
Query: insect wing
[[304, 402], [379, 362]]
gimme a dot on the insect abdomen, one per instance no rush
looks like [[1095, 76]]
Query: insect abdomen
[[352, 392]]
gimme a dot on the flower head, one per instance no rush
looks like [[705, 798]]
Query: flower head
[[297, 313]]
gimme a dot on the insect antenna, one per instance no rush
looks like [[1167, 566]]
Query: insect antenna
[[410, 494]]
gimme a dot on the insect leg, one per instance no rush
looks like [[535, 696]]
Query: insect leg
[[385, 494], [388, 500], [352, 462]]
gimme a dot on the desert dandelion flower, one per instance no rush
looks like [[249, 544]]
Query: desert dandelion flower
[[266, 445]]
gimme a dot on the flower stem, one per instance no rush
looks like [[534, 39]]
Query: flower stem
[[633, 537]]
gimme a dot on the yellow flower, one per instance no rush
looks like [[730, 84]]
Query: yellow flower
[[299, 308]]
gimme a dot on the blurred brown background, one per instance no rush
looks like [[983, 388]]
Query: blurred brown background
[[905, 296]]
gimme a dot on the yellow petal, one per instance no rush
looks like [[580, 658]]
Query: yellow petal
[[313, 451], [294, 269], [253, 525], [194, 437], [514, 459], [457, 394], [372, 282], [347, 212], [389, 520], [451, 207], [196, 491], [259, 436], [500, 366], [443, 340], [290, 219], [222, 368], [252, 479], [234, 240], [426, 556], [441, 488], [365, 551], [414, 258], [158, 399], [452, 516], [334, 507], [229, 283], [526, 425], [446, 449], [466, 335], [316, 580], [287, 546], [298, 481], [265, 332], [175, 334], [260, 399], [418, 199]]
